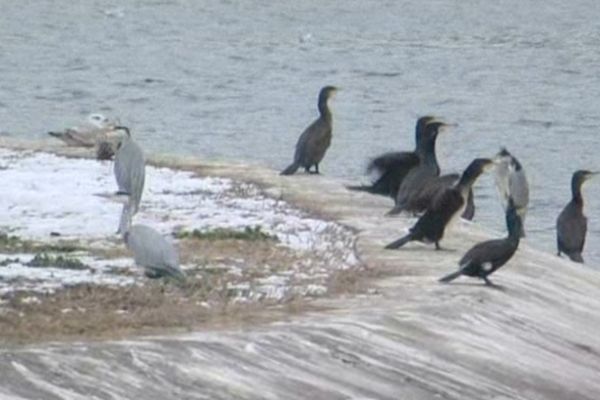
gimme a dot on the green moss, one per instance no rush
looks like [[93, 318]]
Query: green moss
[[42, 260], [249, 233], [11, 243]]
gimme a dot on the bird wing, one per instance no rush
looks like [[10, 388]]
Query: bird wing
[[490, 251], [151, 250], [129, 171], [571, 228], [519, 189], [432, 224], [434, 188], [393, 161], [313, 142]]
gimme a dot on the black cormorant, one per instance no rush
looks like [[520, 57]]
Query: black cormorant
[[315, 140], [447, 205], [392, 167], [418, 177], [571, 225], [421, 201], [486, 257], [511, 182]]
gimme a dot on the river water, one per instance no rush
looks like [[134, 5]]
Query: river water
[[238, 80]]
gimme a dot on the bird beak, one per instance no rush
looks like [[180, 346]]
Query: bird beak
[[118, 197], [490, 164]]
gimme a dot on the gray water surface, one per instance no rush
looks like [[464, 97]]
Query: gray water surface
[[238, 80]]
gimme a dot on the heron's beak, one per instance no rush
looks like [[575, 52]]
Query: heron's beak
[[118, 197]]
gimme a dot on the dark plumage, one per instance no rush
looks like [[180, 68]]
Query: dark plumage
[[422, 200], [419, 176], [571, 224], [447, 206], [315, 140], [392, 167], [486, 257]]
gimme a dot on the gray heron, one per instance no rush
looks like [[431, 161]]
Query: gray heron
[[150, 249], [571, 224], [315, 140], [129, 169], [485, 258], [511, 182]]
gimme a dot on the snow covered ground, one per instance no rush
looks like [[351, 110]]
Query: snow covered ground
[[48, 198]]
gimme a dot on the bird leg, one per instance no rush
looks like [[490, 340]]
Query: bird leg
[[487, 281]]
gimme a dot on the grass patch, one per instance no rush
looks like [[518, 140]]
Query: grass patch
[[9, 261], [249, 233], [42, 260], [11, 243]]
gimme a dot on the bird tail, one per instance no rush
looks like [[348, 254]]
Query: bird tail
[[400, 242], [451, 277], [56, 134], [395, 211], [360, 188], [576, 257], [291, 169]]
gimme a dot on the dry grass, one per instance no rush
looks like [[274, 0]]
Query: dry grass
[[203, 302]]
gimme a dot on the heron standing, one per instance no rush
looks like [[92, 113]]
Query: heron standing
[[151, 250], [129, 172], [511, 182]]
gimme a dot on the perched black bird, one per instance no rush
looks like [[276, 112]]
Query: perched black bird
[[418, 177], [392, 167], [315, 140], [448, 205], [571, 224], [485, 258], [433, 187]]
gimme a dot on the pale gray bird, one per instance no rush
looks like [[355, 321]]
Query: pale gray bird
[[129, 168], [97, 131], [511, 182], [151, 250]]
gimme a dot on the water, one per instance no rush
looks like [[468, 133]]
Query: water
[[239, 80]]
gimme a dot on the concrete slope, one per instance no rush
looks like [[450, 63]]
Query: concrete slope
[[536, 337]]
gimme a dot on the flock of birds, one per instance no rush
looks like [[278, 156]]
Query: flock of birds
[[412, 178]]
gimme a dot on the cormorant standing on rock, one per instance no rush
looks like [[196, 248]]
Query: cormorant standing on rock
[[392, 167], [571, 225], [511, 182], [486, 257], [315, 140], [418, 177], [448, 205]]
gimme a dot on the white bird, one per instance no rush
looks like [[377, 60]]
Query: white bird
[[151, 250], [511, 182], [96, 131], [130, 172]]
